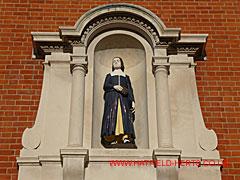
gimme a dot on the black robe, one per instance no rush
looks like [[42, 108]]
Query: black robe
[[112, 97]]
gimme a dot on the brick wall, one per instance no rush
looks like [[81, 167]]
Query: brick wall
[[218, 78]]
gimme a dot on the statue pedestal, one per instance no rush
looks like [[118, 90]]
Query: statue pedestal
[[119, 145]]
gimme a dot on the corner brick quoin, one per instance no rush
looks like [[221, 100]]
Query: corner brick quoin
[[218, 78]]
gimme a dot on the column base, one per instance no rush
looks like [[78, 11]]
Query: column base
[[74, 161], [167, 163]]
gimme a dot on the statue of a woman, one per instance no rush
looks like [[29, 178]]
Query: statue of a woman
[[118, 117]]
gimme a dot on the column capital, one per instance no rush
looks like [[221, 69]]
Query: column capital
[[79, 62], [160, 50], [160, 63]]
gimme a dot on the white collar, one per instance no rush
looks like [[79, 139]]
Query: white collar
[[118, 72]]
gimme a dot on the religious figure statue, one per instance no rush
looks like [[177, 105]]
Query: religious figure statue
[[118, 117]]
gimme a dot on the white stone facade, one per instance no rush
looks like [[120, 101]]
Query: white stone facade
[[64, 143]]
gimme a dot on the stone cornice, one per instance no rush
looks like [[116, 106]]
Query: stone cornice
[[28, 161], [193, 38], [121, 15]]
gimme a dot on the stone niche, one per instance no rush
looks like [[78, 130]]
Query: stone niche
[[64, 142], [126, 45]]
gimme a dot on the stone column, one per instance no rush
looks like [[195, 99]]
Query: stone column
[[75, 157], [75, 136], [164, 127], [165, 155]]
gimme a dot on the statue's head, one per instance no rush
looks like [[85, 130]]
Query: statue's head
[[117, 63]]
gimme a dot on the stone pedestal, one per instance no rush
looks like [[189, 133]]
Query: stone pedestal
[[167, 163], [74, 162]]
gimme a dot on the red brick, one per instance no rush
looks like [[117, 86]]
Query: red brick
[[6, 152], [5, 177], [11, 97], [217, 79]]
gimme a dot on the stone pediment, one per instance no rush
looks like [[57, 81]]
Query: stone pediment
[[119, 17]]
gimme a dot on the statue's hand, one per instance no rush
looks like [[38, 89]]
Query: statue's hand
[[118, 87], [133, 107]]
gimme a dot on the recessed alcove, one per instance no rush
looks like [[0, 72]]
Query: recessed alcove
[[134, 50]]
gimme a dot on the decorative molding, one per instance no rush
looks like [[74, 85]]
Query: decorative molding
[[126, 14], [125, 8], [187, 49], [193, 38], [104, 155], [208, 140], [212, 162], [38, 160], [74, 42], [52, 48], [49, 159], [28, 161], [122, 19], [31, 139], [167, 152]]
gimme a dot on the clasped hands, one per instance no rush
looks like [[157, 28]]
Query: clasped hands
[[120, 88], [123, 90]]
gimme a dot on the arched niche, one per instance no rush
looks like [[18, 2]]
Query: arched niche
[[77, 46], [136, 53]]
